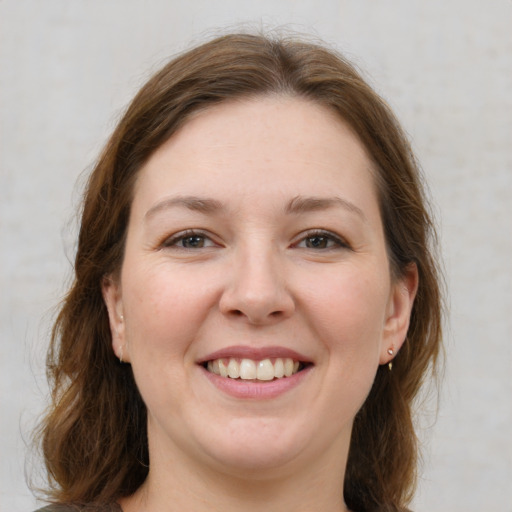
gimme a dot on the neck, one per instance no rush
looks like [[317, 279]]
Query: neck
[[182, 485]]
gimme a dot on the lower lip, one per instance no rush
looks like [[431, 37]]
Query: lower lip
[[239, 388]]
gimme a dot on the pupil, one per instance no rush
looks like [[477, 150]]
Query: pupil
[[193, 241], [317, 242]]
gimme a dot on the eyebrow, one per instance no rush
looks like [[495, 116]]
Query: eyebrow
[[301, 204], [297, 205], [194, 203]]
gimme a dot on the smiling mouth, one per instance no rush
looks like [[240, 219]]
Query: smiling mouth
[[253, 370]]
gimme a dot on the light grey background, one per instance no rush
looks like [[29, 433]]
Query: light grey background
[[67, 69]]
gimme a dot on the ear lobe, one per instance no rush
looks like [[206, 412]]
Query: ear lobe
[[401, 301], [112, 296]]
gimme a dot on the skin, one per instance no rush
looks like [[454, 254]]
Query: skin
[[267, 269]]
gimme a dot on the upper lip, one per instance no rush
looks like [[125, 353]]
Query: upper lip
[[254, 353]]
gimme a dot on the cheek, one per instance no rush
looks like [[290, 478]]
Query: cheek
[[350, 308], [347, 314], [164, 311], [168, 307]]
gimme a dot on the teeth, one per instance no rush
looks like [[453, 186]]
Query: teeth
[[265, 370], [279, 369], [233, 369], [223, 370], [288, 367], [247, 369]]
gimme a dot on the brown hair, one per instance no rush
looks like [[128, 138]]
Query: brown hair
[[94, 435]]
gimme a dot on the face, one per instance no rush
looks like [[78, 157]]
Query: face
[[255, 302]]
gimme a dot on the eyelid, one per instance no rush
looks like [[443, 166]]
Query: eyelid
[[340, 241], [172, 240]]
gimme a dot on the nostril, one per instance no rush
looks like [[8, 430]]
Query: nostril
[[273, 314]]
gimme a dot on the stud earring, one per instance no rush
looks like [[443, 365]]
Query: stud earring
[[390, 364]]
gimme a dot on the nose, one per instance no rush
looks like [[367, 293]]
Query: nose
[[256, 289]]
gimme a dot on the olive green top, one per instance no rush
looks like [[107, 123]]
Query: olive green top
[[113, 507]]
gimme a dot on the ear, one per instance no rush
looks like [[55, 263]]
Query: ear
[[112, 295], [398, 315]]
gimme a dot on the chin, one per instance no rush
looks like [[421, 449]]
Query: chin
[[248, 447], [254, 464]]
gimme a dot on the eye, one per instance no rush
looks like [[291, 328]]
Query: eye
[[318, 240], [189, 239]]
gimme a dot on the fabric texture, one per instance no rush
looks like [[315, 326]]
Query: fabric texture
[[113, 507]]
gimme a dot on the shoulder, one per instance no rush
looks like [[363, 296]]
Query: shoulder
[[58, 508], [81, 508]]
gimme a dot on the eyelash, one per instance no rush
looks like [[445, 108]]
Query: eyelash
[[330, 238], [338, 242], [175, 239]]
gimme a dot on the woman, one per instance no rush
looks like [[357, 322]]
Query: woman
[[255, 302]]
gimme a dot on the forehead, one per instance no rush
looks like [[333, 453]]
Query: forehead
[[277, 145]]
